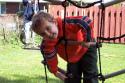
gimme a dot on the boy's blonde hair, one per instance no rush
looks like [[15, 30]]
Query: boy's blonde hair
[[39, 19]]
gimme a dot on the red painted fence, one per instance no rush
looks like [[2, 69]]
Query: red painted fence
[[114, 19]]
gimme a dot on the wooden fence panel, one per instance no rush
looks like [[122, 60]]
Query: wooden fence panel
[[118, 23], [55, 10], [96, 20], [80, 12], [107, 22], [72, 11], [114, 19], [112, 23], [123, 25]]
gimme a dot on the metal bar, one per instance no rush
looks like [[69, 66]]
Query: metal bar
[[111, 3], [113, 74], [106, 4], [58, 2]]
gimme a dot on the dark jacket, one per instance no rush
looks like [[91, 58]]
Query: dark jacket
[[28, 10]]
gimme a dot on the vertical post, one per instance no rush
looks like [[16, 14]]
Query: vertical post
[[62, 13], [35, 6]]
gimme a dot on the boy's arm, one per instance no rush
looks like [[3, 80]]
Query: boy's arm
[[82, 43], [61, 74], [88, 26], [49, 52]]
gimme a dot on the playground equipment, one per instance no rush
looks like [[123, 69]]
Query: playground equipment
[[102, 6]]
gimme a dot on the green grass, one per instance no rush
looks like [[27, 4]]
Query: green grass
[[113, 59], [23, 66]]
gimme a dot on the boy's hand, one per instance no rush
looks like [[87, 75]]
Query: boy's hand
[[60, 75]]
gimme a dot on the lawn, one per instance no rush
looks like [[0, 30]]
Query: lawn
[[23, 66]]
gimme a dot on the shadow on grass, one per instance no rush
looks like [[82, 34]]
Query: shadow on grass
[[28, 79]]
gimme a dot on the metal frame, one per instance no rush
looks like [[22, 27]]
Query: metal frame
[[112, 74], [101, 77], [106, 4]]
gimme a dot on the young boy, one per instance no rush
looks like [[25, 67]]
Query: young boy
[[81, 53]]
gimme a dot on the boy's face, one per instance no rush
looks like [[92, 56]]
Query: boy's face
[[48, 30]]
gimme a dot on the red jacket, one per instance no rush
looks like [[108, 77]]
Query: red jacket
[[78, 29]]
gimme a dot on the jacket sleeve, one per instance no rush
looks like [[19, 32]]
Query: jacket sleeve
[[85, 23], [25, 2], [50, 54], [88, 28]]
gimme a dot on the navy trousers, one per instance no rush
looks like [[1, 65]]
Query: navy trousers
[[85, 70]]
